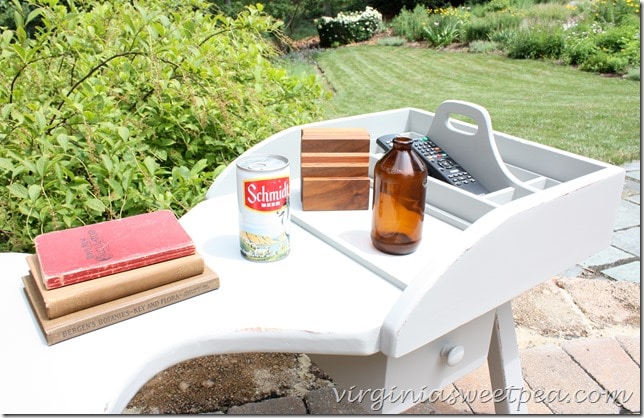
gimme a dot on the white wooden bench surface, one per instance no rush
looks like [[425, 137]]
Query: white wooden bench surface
[[313, 301], [368, 321]]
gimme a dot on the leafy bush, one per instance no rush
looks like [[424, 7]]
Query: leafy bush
[[632, 51], [544, 13], [542, 42], [603, 62], [350, 27], [634, 74], [614, 11], [410, 24], [391, 41], [131, 107], [616, 39], [597, 46], [480, 29], [496, 6], [8, 15], [503, 37], [579, 49], [441, 31], [445, 26], [483, 47]]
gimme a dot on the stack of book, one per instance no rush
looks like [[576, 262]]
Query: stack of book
[[86, 278]]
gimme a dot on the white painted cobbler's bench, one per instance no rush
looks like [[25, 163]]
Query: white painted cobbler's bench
[[370, 320]]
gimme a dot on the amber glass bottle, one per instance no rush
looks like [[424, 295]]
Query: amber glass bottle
[[400, 180]]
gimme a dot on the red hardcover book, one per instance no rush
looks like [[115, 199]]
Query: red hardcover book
[[88, 252]]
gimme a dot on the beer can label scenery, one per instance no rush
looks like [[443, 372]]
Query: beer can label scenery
[[263, 195]]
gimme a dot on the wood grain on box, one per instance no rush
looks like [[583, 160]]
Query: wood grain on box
[[335, 168], [335, 193], [335, 157], [335, 140]]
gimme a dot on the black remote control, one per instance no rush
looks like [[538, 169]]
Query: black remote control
[[439, 165]]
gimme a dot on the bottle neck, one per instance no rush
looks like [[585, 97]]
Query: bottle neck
[[402, 143]]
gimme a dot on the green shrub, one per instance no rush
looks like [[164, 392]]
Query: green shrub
[[579, 49], [614, 11], [541, 42], [480, 29], [132, 107], [410, 24], [441, 31], [543, 13], [603, 62], [350, 27], [632, 52], [617, 38], [18, 10], [496, 5], [445, 26], [598, 47], [503, 37], [634, 74], [391, 41], [483, 47]]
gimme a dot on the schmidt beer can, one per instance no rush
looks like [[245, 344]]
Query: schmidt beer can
[[263, 193]]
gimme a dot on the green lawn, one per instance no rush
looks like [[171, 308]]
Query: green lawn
[[560, 106]]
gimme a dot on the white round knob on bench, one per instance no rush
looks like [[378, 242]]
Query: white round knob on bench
[[453, 355]]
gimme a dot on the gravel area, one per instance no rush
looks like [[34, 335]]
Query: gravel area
[[217, 383]]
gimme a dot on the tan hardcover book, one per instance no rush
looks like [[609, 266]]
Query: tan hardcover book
[[100, 316], [67, 299]]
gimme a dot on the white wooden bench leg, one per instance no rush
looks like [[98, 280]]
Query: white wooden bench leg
[[505, 365]]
